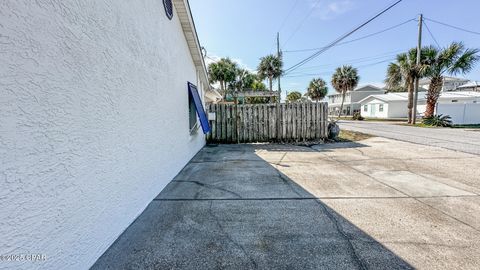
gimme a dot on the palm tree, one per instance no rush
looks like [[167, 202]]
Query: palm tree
[[222, 72], [403, 73], [244, 79], [294, 96], [317, 89], [451, 60], [270, 68], [345, 79]]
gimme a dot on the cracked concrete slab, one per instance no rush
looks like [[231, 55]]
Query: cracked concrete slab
[[465, 209], [374, 204], [243, 235], [415, 185], [428, 237]]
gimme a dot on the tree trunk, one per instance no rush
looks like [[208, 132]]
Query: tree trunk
[[270, 79], [410, 101], [433, 94], [222, 87], [341, 105]]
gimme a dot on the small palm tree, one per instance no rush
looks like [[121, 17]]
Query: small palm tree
[[317, 89], [345, 79], [404, 72], [294, 96], [244, 79], [451, 60], [222, 72], [270, 68]]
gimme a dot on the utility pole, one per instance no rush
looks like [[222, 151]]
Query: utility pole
[[417, 80], [279, 94], [279, 55]]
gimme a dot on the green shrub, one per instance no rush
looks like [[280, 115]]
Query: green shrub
[[358, 116], [438, 121]]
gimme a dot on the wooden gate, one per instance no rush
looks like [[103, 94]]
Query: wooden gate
[[293, 122]]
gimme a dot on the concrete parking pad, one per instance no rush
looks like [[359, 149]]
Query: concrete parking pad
[[374, 204]]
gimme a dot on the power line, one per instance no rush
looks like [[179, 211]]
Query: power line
[[301, 23], [284, 21], [340, 38], [329, 72], [431, 34], [353, 40], [452, 26], [288, 16], [357, 60]]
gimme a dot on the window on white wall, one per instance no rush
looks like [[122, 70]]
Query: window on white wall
[[365, 108], [192, 114], [380, 108]]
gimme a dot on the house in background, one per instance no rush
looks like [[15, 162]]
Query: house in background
[[212, 96], [449, 83], [96, 118], [394, 105], [352, 99], [470, 86]]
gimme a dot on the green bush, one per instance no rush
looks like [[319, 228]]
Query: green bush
[[438, 121], [358, 116]]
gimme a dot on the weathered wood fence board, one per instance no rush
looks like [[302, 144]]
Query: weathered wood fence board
[[293, 122]]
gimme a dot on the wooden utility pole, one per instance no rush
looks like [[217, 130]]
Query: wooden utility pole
[[417, 80], [279, 94], [279, 55]]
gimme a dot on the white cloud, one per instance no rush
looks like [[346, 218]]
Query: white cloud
[[330, 9]]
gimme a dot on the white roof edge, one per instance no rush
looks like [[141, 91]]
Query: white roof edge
[[368, 85], [372, 97], [188, 25]]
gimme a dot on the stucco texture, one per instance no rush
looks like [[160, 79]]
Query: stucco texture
[[93, 123]]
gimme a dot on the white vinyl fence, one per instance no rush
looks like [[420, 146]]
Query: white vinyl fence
[[462, 114]]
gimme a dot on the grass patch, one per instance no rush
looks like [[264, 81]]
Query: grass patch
[[422, 125], [466, 126], [352, 136]]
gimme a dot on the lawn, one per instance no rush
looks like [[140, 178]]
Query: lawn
[[352, 136]]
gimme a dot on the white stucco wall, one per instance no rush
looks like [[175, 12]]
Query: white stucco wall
[[391, 109], [374, 113], [461, 113], [93, 123], [398, 109]]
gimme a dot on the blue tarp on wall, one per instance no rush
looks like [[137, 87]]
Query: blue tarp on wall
[[193, 92]]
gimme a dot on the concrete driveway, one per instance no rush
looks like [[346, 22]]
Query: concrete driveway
[[375, 204], [464, 140]]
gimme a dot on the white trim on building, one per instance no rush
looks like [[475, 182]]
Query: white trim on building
[[395, 104]]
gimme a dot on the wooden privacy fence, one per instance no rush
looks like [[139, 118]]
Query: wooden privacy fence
[[293, 122]]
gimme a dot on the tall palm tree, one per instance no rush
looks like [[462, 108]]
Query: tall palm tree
[[345, 79], [222, 72], [404, 72], [270, 68], [317, 89], [451, 60]]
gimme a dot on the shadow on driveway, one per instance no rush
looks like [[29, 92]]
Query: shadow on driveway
[[230, 209]]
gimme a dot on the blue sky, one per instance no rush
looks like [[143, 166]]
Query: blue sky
[[246, 30]]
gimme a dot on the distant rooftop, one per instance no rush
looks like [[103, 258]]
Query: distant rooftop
[[445, 79], [403, 96]]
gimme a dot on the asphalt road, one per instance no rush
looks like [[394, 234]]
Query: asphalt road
[[462, 140]]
